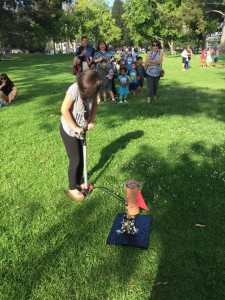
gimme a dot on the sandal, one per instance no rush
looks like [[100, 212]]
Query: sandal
[[80, 196]]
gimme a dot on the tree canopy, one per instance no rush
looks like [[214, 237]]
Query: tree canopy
[[30, 24]]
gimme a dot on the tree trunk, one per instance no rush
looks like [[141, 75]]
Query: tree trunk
[[171, 45], [222, 40]]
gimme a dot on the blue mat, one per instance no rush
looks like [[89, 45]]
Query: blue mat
[[139, 239]]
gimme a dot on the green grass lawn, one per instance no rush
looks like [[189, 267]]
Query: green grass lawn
[[54, 248]]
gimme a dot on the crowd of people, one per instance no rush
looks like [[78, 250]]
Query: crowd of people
[[128, 72], [98, 71], [207, 57]]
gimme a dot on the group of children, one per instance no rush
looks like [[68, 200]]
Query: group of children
[[129, 73]]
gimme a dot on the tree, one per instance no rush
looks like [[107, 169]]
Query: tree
[[171, 21], [94, 20], [141, 17], [222, 40], [117, 12], [30, 24]]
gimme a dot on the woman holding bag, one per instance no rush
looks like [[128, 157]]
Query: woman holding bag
[[153, 64]]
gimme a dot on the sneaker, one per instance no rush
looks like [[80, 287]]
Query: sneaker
[[125, 101], [121, 101], [2, 104]]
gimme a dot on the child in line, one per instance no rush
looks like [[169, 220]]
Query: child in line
[[133, 79], [216, 58], [123, 85], [141, 74], [106, 80], [78, 110], [129, 61], [122, 62]]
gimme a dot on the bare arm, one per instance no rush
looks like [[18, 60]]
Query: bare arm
[[13, 93], [66, 105], [150, 62]]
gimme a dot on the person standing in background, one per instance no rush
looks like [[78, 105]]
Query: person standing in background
[[84, 55], [153, 64], [184, 56]]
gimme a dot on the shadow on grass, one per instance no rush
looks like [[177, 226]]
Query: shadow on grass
[[107, 153], [73, 240], [52, 79], [180, 102], [174, 99], [183, 195]]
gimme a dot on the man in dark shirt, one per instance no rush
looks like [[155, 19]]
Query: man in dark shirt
[[84, 54]]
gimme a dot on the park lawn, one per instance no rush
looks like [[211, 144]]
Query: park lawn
[[54, 248]]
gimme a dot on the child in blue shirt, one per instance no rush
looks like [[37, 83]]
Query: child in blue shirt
[[123, 85], [129, 61]]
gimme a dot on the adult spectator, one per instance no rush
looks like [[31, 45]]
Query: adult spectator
[[8, 90], [184, 56], [190, 52], [102, 52], [84, 54], [153, 63]]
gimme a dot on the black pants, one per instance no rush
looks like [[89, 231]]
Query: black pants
[[152, 85], [74, 151], [114, 87]]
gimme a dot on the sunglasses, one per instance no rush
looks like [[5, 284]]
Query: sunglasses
[[3, 78], [154, 45]]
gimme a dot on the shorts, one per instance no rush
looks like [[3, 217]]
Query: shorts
[[140, 82], [107, 87], [184, 60], [132, 86]]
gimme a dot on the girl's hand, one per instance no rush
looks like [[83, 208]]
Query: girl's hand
[[79, 130], [91, 126]]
